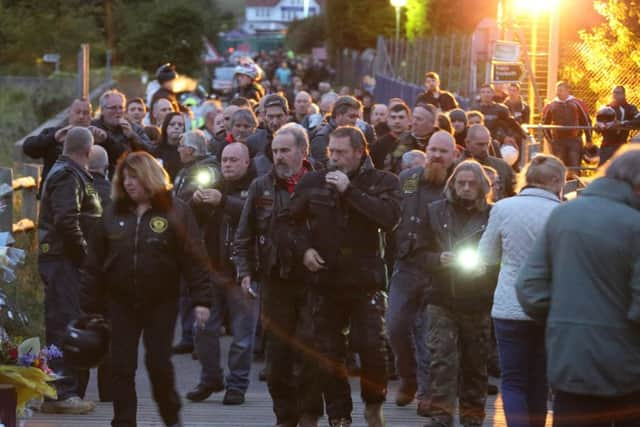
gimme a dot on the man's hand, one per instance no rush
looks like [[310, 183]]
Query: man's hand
[[245, 284], [99, 135], [202, 315], [61, 134], [338, 179], [126, 128], [447, 258], [209, 196], [313, 261]]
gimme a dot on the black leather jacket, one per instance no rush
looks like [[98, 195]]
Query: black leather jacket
[[138, 262], [117, 143], [220, 224], [452, 228], [347, 229], [411, 238], [69, 208], [263, 239], [43, 146]]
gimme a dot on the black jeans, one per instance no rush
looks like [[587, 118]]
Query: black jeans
[[569, 150], [333, 315], [286, 320], [61, 306], [573, 410], [156, 325]]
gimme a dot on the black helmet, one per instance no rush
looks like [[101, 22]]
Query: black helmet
[[166, 72], [591, 155], [86, 342], [605, 115]]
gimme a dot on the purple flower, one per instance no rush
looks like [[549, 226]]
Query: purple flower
[[53, 352], [27, 359]]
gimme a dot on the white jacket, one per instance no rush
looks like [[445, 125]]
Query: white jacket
[[514, 225]]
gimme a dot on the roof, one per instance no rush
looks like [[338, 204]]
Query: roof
[[262, 3]]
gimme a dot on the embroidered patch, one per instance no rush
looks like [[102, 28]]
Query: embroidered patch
[[44, 248], [410, 185], [158, 224]]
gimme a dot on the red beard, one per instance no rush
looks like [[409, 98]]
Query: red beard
[[435, 173]]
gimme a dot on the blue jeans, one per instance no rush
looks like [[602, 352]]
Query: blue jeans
[[407, 325], [243, 317], [521, 349], [61, 306]]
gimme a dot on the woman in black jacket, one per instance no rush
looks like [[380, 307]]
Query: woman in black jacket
[[144, 243], [173, 127]]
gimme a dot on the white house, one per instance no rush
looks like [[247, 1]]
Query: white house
[[274, 15]]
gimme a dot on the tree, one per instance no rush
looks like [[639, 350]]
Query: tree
[[608, 54], [28, 30], [356, 24], [305, 34], [417, 23]]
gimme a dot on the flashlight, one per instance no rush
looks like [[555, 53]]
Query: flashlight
[[203, 178], [468, 259]]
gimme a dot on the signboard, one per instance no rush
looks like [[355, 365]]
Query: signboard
[[506, 72], [51, 57], [506, 51]]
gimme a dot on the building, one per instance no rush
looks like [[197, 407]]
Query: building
[[268, 16]]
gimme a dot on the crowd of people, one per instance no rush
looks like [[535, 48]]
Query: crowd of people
[[413, 241]]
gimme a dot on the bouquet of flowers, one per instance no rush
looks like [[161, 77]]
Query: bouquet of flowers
[[25, 366]]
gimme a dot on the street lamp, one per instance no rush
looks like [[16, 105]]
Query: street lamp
[[397, 4]]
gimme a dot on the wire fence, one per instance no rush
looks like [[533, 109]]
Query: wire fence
[[593, 75]]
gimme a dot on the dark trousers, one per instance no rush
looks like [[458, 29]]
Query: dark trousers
[[285, 318], [61, 306], [523, 364], [569, 150], [459, 344], [156, 325], [187, 318], [333, 314], [105, 389], [607, 152], [573, 410]]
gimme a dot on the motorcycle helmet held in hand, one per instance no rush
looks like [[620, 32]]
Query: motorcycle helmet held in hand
[[605, 115], [86, 342], [591, 155]]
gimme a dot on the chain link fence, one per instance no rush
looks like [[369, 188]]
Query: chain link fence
[[593, 76]]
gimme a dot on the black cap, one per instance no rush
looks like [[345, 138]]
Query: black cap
[[275, 100], [166, 72]]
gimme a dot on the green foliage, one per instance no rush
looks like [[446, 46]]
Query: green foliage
[[417, 23], [608, 54], [153, 32], [305, 34], [356, 24], [17, 118], [29, 29]]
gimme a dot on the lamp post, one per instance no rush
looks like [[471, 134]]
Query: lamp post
[[397, 4]]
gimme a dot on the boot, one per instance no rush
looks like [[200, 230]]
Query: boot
[[406, 393], [308, 421], [373, 415]]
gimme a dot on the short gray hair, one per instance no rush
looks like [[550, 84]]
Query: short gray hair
[[196, 140], [246, 115], [98, 159], [210, 106], [108, 94], [625, 166], [299, 135], [410, 156], [77, 141]]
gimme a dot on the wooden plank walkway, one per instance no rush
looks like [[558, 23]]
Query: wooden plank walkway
[[256, 412]]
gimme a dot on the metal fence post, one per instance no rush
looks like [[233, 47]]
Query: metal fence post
[[6, 200], [83, 71]]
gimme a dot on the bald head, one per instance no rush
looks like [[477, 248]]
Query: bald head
[[98, 160], [235, 161], [379, 114], [441, 149], [478, 140], [77, 145]]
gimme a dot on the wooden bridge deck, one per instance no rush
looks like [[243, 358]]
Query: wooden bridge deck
[[256, 412]]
